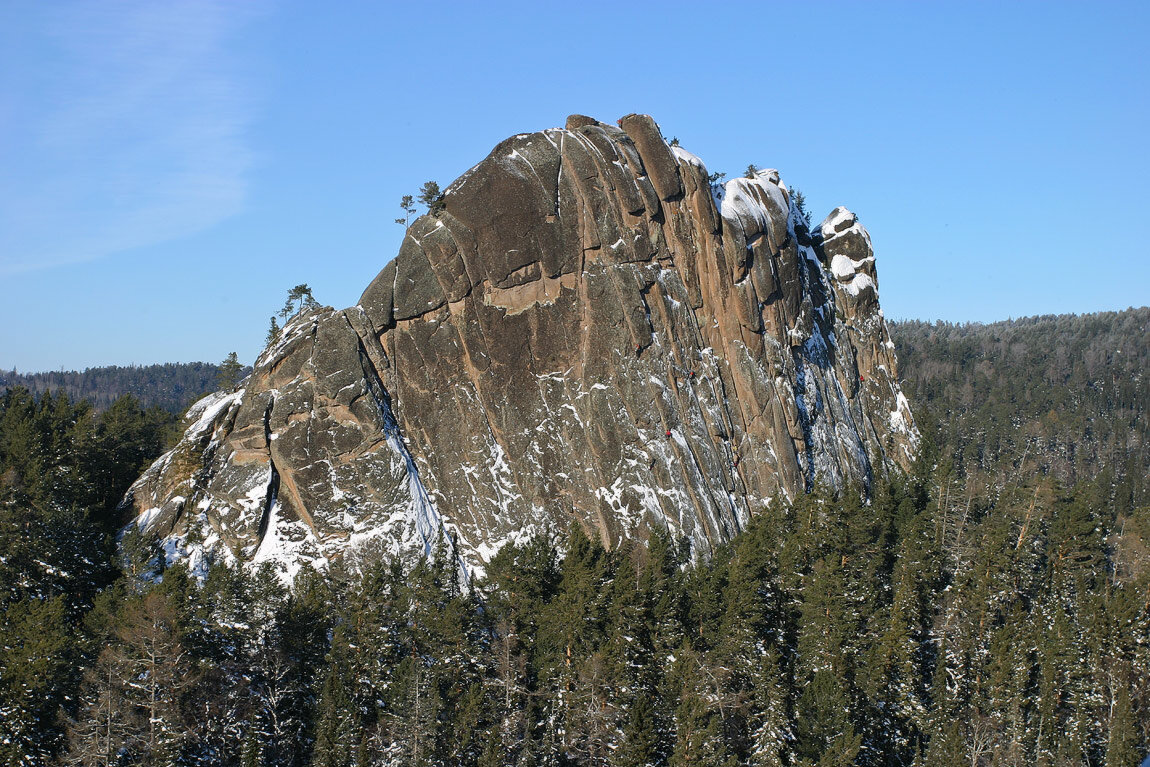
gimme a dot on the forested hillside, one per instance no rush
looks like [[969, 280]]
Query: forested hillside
[[172, 386], [63, 472], [993, 608], [1065, 396]]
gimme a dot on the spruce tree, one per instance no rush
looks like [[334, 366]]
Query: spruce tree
[[336, 732], [230, 370], [38, 659], [273, 332], [1122, 741], [824, 732]]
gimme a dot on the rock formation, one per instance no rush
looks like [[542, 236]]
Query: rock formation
[[588, 331]]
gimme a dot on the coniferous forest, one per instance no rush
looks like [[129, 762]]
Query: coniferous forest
[[171, 386], [991, 608]]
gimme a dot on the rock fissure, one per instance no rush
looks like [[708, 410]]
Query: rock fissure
[[273, 478]]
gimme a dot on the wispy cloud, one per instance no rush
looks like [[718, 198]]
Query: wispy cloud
[[122, 124]]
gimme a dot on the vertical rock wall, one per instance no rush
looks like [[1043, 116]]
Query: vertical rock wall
[[588, 331]]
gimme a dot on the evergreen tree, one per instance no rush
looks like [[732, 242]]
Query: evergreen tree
[[38, 665], [698, 726], [432, 197], [137, 688], [407, 205], [297, 298], [1122, 743], [978, 612], [63, 471], [273, 332], [825, 734], [230, 372], [337, 731], [799, 200]]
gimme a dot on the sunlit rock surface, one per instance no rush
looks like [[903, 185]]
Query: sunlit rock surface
[[588, 332]]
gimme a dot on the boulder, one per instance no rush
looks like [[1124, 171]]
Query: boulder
[[579, 336]]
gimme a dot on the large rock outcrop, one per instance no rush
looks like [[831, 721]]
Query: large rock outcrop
[[589, 331]]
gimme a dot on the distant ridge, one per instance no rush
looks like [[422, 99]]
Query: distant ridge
[[171, 386], [1067, 391]]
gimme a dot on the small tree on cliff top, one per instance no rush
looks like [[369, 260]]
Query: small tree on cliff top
[[229, 373], [407, 205], [431, 196], [297, 298]]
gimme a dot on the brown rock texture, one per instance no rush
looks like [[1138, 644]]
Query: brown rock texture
[[588, 332]]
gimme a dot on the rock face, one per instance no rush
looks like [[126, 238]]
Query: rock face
[[588, 331]]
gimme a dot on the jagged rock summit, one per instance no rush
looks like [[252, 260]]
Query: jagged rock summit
[[588, 331]]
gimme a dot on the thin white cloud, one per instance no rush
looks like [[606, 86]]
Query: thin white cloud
[[124, 125]]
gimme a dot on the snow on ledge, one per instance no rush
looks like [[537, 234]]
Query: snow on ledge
[[843, 268], [745, 200], [832, 223], [840, 222], [208, 409], [683, 155]]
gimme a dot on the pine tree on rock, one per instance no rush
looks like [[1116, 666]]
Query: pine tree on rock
[[432, 197], [298, 298], [229, 373], [273, 332], [407, 205]]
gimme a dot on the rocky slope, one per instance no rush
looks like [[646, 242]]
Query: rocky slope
[[587, 331]]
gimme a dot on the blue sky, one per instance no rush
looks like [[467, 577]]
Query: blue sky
[[168, 170]]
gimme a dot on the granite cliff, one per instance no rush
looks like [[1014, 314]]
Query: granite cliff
[[588, 331]]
